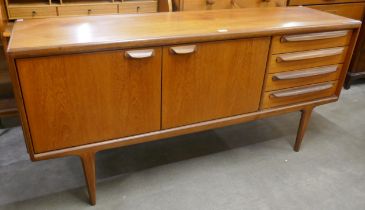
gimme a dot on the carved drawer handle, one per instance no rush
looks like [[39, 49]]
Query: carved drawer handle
[[305, 73], [138, 54], [34, 13], [313, 36], [309, 54], [301, 91], [182, 50], [89, 11]]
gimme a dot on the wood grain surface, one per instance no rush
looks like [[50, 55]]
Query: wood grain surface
[[78, 34], [73, 100], [219, 79]]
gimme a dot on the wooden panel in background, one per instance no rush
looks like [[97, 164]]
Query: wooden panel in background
[[308, 2], [350, 10]]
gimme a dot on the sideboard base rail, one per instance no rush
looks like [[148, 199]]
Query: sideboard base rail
[[157, 135]]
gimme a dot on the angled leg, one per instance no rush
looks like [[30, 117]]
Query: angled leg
[[304, 120], [88, 163]]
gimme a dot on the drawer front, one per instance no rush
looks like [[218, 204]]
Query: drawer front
[[309, 2], [307, 59], [73, 100], [302, 77], [88, 10], [259, 3], [296, 95], [138, 7], [310, 41], [32, 12], [351, 10], [227, 4], [206, 5]]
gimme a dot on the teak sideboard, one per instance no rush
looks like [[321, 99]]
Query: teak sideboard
[[86, 84]]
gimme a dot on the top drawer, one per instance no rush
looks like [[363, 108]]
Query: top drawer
[[131, 7], [310, 41], [88, 9], [32, 12], [309, 2]]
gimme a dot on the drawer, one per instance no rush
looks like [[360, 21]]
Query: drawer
[[309, 2], [351, 10], [310, 41], [296, 95], [205, 5], [260, 3], [138, 7], [187, 5], [306, 59], [32, 12], [88, 9], [302, 77]]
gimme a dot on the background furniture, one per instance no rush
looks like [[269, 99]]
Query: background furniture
[[7, 101], [188, 5], [243, 65], [349, 8], [357, 68], [50, 8]]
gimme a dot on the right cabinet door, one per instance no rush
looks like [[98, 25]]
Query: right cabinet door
[[212, 80]]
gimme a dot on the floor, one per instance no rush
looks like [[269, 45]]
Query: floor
[[249, 166]]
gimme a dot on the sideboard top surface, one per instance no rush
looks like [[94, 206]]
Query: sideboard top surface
[[79, 34]]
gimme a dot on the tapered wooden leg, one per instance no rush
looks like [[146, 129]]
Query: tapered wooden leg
[[304, 120], [88, 163]]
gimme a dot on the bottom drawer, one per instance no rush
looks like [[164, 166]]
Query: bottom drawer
[[138, 7], [32, 12], [351, 10], [295, 95]]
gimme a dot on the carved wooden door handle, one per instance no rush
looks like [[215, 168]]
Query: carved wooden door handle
[[139, 54], [314, 36], [305, 73], [309, 54], [181, 50], [301, 91]]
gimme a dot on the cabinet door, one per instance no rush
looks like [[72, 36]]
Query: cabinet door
[[212, 80], [73, 100]]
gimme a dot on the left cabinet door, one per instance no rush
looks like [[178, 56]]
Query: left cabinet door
[[73, 100]]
